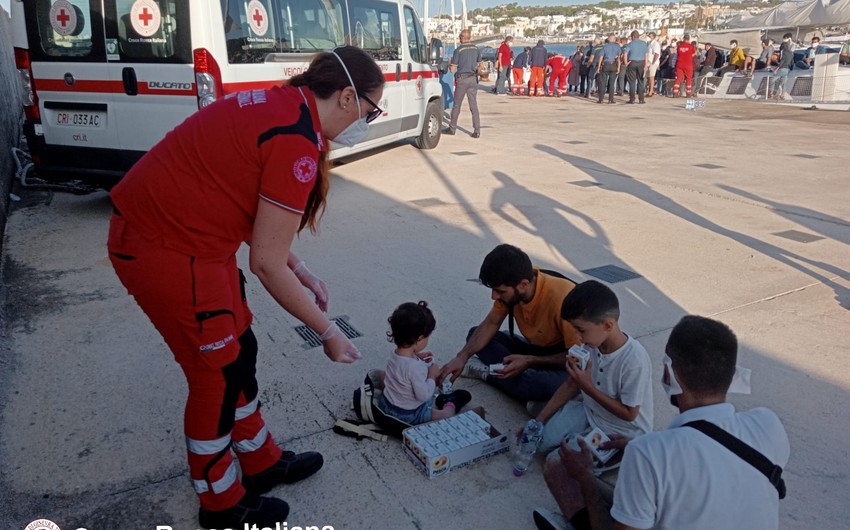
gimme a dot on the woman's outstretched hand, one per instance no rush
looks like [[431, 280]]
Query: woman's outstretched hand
[[337, 346]]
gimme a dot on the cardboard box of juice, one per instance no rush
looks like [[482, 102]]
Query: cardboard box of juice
[[441, 446]]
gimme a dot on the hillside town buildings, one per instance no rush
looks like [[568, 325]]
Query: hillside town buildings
[[591, 19]]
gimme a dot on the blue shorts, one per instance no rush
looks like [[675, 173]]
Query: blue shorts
[[421, 414]]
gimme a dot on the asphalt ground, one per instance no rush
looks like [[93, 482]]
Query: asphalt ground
[[697, 204]]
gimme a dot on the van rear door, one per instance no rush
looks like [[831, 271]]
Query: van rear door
[[417, 69], [149, 53], [71, 79]]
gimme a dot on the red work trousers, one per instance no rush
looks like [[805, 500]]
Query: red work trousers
[[560, 77], [535, 86], [518, 85], [688, 74], [198, 306]]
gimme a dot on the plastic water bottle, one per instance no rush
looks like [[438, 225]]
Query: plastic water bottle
[[532, 435]]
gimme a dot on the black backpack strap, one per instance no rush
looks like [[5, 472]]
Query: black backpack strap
[[359, 430], [744, 451]]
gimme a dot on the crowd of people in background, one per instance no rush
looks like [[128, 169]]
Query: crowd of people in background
[[643, 66]]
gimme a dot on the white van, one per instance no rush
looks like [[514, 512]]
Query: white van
[[104, 80]]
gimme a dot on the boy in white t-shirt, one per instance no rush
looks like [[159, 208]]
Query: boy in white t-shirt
[[614, 392], [409, 379]]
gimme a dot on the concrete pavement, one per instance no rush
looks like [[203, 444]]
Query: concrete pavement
[[693, 202]]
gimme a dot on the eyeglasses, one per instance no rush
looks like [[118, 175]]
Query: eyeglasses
[[373, 114]]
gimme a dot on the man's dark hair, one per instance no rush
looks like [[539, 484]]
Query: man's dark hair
[[733, 41], [788, 36], [409, 322], [505, 265], [591, 301], [704, 353]]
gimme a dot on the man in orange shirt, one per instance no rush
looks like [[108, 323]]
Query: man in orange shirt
[[533, 364]]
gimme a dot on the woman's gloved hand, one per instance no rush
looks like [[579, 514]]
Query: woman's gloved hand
[[337, 346], [316, 285]]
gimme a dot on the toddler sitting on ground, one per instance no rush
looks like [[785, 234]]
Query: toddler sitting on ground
[[409, 379]]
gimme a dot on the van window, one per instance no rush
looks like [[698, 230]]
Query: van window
[[64, 27], [149, 30], [256, 28], [415, 37], [375, 28]]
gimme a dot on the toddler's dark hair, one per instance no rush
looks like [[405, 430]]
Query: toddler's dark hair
[[409, 322]]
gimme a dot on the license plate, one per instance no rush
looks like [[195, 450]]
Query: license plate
[[92, 120]]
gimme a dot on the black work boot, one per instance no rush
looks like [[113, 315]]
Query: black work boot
[[290, 468], [250, 510]]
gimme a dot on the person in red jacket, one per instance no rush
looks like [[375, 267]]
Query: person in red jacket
[[684, 66], [559, 67], [251, 167]]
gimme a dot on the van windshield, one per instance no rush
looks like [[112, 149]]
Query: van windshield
[[256, 29]]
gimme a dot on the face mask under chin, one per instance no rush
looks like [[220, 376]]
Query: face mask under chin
[[353, 134]]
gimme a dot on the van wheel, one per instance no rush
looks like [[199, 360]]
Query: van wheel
[[431, 129]]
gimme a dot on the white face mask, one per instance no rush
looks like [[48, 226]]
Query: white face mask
[[353, 134], [671, 387], [356, 131], [740, 381]]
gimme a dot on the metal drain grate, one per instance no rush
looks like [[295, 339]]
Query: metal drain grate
[[463, 153], [806, 155], [312, 339], [709, 166], [796, 235], [738, 86], [585, 183], [612, 273], [802, 87]]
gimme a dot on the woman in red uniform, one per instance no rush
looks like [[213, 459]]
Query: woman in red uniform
[[249, 168]]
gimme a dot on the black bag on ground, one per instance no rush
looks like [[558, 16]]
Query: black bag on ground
[[371, 421]]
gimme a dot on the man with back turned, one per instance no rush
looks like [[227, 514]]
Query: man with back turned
[[465, 67]]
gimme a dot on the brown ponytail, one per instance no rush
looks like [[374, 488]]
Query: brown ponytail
[[324, 77], [317, 199]]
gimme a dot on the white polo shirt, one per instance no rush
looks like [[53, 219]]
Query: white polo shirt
[[625, 375], [654, 49], [681, 478]]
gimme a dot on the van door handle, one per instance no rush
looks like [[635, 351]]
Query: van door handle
[[398, 71], [409, 71], [131, 85]]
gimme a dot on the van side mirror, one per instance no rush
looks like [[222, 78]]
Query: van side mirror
[[435, 51]]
